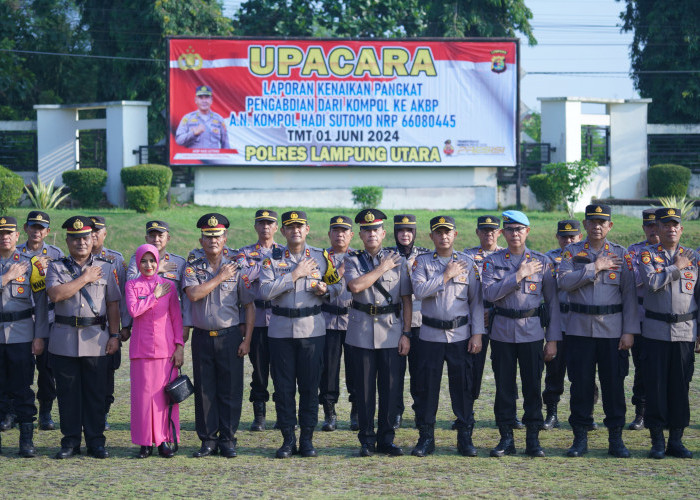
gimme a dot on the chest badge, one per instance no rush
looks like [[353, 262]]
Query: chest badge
[[612, 276]]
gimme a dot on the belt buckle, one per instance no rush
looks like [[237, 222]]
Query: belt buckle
[[213, 333], [372, 310], [673, 317], [76, 321]]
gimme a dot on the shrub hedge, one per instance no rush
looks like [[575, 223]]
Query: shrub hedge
[[142, 198], [668, 180], [545, 191], [86, 185], [148, 175], [12, 188]]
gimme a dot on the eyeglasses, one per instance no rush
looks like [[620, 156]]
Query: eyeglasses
[[514, 229]]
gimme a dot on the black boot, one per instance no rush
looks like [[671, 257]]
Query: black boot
[[426, 441], [289, 443], [532, 441], [8, 422], [658, 443], [26, 443], [397, 422], [145, 452], [616, 447], [107, 426], [551, 421], [465, 446], [675, 445], [306, 446], [638, 423], [580, 446], [331, 419], [258, 424], [165, 451], [45, 421], [506, 446], [354, 419]]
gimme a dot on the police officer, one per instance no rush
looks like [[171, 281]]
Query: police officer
[[517, 279], [447, 283], [99, 234], [202, 128], [379, 331], [265, 226], [85, 289], [37, 229], [215, 286], [296, 279], [599, 280], [634, 250], [22, 293], [335, 313], [405, 237], [671, 298]]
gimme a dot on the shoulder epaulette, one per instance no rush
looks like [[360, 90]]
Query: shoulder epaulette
[[177, 256], [354, 253], [104, 259], [422, 249]]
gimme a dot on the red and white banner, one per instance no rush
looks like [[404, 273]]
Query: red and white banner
[[343, 102]]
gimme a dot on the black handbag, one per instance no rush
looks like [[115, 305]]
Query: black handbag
[[177, 390]]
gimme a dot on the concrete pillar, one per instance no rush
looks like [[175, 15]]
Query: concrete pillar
[[628, 149], [561, 127], [56, 141]]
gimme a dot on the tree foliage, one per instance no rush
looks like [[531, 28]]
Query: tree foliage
[[666, 39]]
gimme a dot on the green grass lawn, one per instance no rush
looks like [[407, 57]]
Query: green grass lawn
[[337, 471]]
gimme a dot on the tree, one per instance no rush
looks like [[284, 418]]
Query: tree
[[666, 40], [278, 18], [374, 18]]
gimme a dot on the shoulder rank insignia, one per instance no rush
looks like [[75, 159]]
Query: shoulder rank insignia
[[116, 278], [658, 259], [628, 260]]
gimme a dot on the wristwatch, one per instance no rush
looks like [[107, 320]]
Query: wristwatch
[[115, 336], [408, 334]]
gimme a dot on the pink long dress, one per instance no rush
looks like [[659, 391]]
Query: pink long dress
[[156, 331]]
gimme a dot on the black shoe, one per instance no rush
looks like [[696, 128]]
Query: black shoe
[[454, 425], [354, 420], [593, 426], [551, 421], [145, 452], [675, 444], [98, 452], [107, 426], [518, 424], [390, 449], [259, 412], [367, 450], [204, 451], [67, 452], [306, 446], [580, 445], [46, 423], [616, 447], [289, 444], [331, 419], [426, 441], [8, 422], [506, 446], [26, 443], [638, 423], [532, 442], [165, 451], [658, 443], [228, 451], [465, 446], [397, 422]]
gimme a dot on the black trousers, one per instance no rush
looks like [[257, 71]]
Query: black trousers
[[114, 361], [555, 372], [638, 393], [376, 370], [296, 364], [329, 387], [478, 367], [16, 378], [259, 356], [218, 387], [505, 358], [460, 372], [81, 386], [412, 361], [668, 369], [583, 354], [46, 384]]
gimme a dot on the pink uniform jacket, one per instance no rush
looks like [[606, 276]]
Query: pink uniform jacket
[[157, 326]]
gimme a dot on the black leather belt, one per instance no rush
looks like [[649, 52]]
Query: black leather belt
[[595, 310], [443, 324], [373, 310], [302, 312], [77, 321], [669, 318], [487, 304], [333, 309], [218, 333], [16, 316], [563, 308], [517, 313], [262, 304]]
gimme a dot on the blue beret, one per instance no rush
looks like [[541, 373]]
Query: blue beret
[[515, 217]]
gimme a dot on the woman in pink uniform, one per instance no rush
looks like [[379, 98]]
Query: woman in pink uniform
[[156, 344]]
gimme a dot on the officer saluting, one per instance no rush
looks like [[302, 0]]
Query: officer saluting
[[602, 322], [379, 331], [85, 289], [447, 283], [516, 280], [22, 293], [215, 286], [671, 298]]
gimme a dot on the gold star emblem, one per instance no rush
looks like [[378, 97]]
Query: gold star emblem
[[39, 217], [78, 224], [671, 211], [213, 222], [155, 224], [568, 227], [442, 220], [3, 221], [598, 210], [265, 213], [369, 217], [294, 216], [405, 220], [339, 220], [488, 220], [652, 216]]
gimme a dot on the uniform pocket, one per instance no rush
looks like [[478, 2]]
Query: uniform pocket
[[532, 285], [611, 277], [461, 290], [20, 290], [687, 286]]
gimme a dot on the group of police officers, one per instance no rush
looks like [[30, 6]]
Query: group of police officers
[[294, 309]]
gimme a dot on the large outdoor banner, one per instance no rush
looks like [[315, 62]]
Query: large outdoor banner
[[342, 102]]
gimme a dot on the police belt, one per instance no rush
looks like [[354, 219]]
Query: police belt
[[333, 309], [78, 321], [444, 324], [293, 312], [16, 316], [487, 304], [669, 318], [373, 310], [262, 304], [594, 310], [516, 313], [563, 308], [217, 333]]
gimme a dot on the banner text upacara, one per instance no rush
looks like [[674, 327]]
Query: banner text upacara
[[340, 61]]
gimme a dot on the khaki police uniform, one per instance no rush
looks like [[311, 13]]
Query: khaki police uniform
[[213, 137], [638, 393]]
